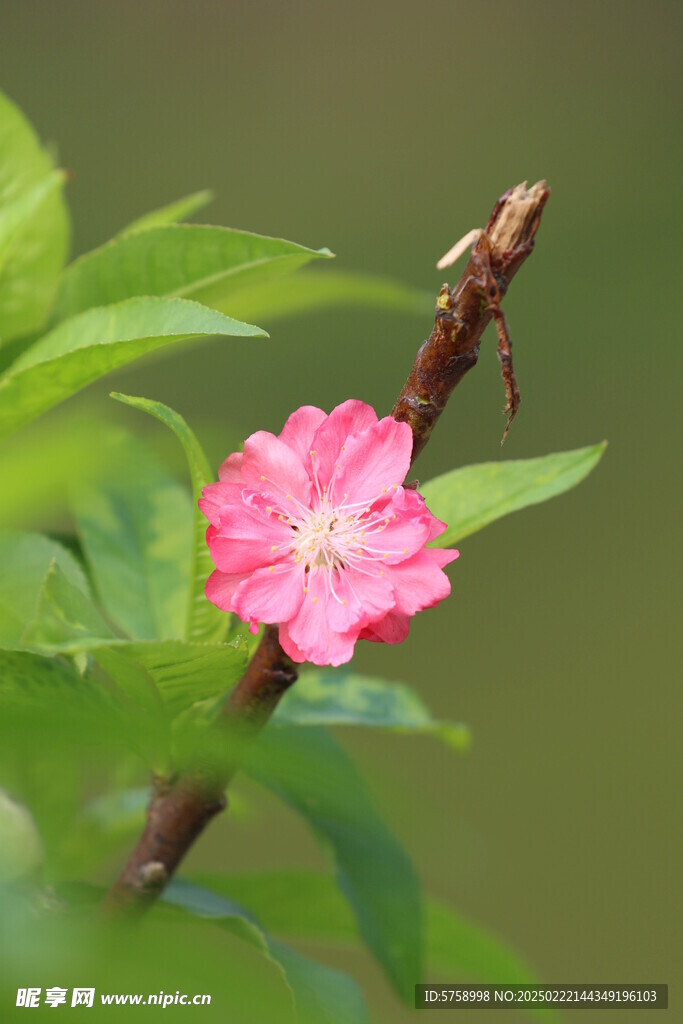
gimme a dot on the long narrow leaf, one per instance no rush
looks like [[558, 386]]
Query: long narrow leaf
[[187, 260], [205, 621], [469, 499], [311, 773], [320, 994], [93, 344], [171, 213]]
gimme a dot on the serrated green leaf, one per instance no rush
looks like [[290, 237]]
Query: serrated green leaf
[[25, 559], [311, 773], [187, 260], [470, 498], [136, 532], [65, 618], [30, 266], [328, 288], [49, 689], [342, 697], [89, 346], [183, 673], [320, 994], [171, 213], [205, 621]]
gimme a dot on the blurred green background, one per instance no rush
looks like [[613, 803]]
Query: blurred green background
[[386, 131]]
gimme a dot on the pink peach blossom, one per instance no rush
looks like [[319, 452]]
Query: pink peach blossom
[[313, 530]]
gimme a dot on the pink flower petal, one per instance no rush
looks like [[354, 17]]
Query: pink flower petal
[[273, 467], [311, 632], [397, 539], [349, 418], [360, 599], [230, 470], [221, 586], [392, 629], [300, 428], [375, 461], [419, 582], [246, 540], [271, 595], [215, 497]]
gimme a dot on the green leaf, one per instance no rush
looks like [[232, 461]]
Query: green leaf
[[136, 532], [187, 260], [342, 697], [48, 688], [308, 907], [205, 621], [16, 214], [178, 210], [312, 774], [183, 673], [320, 994], [89, 346], [50, 459], [66, 618], [26, 559], [313, 290], [34, 226], [469, 499], [21, 848]]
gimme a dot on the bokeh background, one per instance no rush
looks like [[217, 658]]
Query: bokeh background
[[386, 131]]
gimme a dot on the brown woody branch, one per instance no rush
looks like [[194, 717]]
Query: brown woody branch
[[182, 807]]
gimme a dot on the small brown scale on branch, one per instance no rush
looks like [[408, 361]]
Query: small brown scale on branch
[[182, 807]]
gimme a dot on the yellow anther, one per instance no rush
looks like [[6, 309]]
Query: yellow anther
[[384, 490], [269, 510], [305, 590], [271, 568], [315, 599], [263, 478], [381, 572], [343, 602], [405, 551], [313, 452], [273, 547], [386, 554]]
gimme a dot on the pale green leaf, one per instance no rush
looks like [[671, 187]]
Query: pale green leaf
[[89, 346], [320, 994], [307, 906], [49, 458], [136, 531], [26, 559], [470, 498], [329, 288], [173, 212], [328, 697], [50, 691], [65, 617], [184, 673], [187, 260], [205, 621], [310, 772], [36, 248]]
